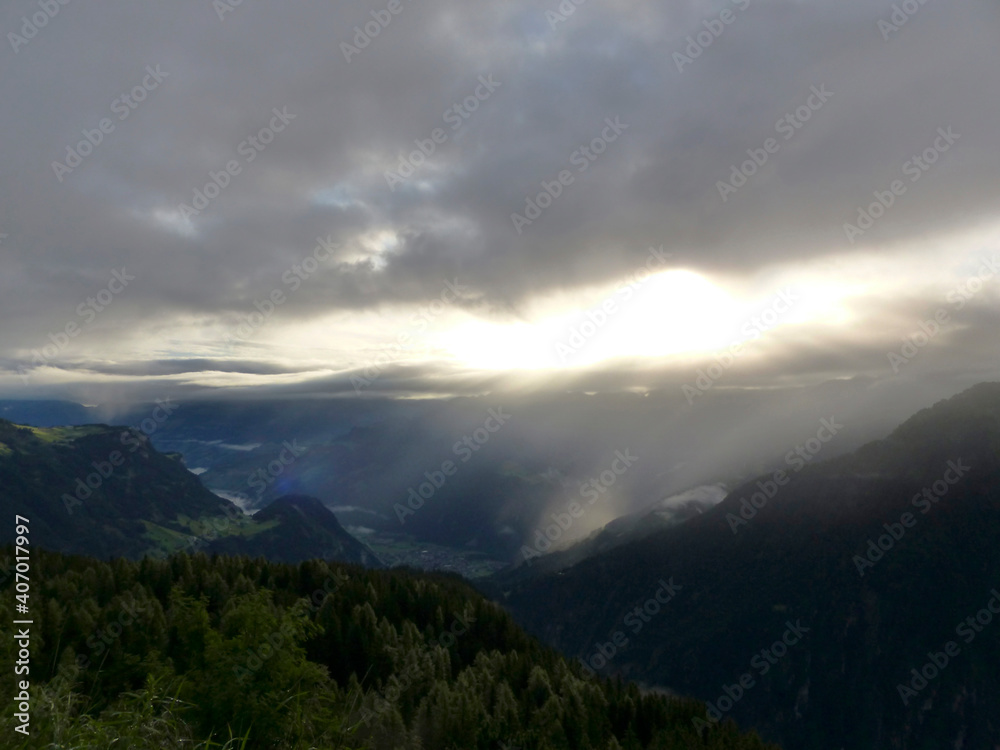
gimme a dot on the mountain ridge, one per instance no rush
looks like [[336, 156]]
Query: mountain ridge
[[796, 558], [106, 491]]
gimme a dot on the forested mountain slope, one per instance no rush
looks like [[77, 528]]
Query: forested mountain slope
[[172, 653], [880, 557]]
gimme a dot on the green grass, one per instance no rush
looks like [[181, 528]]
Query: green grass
[[244, 527], [251, 529], [66, 434], [166, 540]]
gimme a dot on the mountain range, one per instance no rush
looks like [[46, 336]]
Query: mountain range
[[831, 601], [364, 456]]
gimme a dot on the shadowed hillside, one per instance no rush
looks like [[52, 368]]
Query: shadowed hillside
[[882, 555], [107, 492]]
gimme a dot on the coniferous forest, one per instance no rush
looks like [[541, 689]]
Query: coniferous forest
[[232, 652]]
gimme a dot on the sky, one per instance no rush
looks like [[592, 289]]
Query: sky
[[431, 197]]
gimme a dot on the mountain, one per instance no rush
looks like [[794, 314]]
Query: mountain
[[363, 456], [212, 652], [663, 514], [106, 491], [297, 527], [366, 457], [802, 604]]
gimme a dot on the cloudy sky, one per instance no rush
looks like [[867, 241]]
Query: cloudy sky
[[431, 197]]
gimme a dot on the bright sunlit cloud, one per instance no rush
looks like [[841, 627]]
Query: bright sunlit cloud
[[676, 312]]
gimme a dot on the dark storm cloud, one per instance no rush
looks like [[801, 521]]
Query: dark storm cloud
[[153, 369], [210, 84]]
